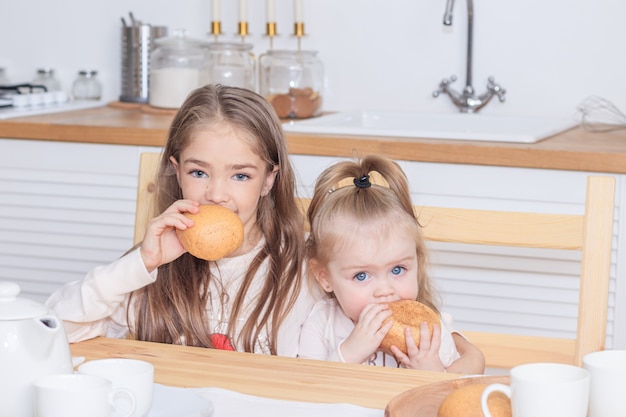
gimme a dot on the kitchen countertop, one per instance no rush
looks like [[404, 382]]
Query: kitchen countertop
[[576, 149]]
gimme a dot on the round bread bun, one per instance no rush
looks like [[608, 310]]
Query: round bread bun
[[407, 313], [217, 232], [465, 402]]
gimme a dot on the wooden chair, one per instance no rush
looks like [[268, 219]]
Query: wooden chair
[[148, 168], [590, 233]]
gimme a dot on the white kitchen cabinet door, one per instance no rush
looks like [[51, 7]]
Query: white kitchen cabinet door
[[64, 208]]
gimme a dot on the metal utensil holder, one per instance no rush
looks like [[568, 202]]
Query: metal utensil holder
[[137, 44]]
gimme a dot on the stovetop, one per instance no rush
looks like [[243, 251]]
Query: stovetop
[[27, 99], [12, 112]]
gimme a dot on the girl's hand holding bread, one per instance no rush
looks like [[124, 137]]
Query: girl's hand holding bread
[[160, 244]]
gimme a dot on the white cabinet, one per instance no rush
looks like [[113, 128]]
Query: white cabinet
[[67, 207], [64, 208]]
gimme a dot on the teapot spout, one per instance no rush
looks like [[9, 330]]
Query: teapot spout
[[53, 340]]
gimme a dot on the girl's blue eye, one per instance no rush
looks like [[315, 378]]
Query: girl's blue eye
[[198, 173], [361, 276], [397, 270], [241, 177]]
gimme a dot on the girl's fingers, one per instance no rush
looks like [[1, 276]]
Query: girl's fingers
[[410, 341], [183, 206], [400, 356], [174, 215], [372, 313], [424, 337], [435, 340], [384, 329], [170, 221]]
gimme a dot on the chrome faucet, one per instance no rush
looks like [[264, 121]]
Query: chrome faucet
[[467, 101]]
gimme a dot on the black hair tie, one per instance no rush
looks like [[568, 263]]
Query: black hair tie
[[363, 182]]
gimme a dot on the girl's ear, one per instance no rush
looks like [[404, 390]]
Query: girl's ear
[[321, 275], [174, 163], [269, 181]]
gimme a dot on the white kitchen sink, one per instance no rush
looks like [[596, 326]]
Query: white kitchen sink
[[458, 126]]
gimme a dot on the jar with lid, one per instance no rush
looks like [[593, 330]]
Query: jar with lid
[[292, 81], [86, 86], [46, 77], [231, 64], [4, 80], [177, 65]]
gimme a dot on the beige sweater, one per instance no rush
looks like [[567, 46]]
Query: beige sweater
[[96, 305]]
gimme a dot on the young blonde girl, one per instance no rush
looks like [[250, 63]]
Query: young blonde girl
[[225, 146], [365, 250]]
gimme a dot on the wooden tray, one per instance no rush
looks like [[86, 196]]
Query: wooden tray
[[145, 108], [424, 401]]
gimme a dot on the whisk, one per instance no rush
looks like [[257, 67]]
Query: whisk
[[598, 114]]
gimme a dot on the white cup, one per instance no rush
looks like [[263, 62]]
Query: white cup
[[76, 395], [544, 390], [132, 374], [607, 392]]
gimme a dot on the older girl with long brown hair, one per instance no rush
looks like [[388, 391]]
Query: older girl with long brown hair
[[226, 147]]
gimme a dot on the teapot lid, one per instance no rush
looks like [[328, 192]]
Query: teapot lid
[[13, 307]]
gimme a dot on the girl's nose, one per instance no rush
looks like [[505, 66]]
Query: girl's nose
[[216, 192], [384, 288]]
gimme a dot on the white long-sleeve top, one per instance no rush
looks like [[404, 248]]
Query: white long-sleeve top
[[97, 304], [327, 327]]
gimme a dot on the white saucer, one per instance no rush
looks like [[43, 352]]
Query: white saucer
[[178, 402]]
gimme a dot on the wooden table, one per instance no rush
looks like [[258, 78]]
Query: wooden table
[[263, 375]]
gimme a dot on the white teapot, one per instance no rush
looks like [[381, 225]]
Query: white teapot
[[33, 343]]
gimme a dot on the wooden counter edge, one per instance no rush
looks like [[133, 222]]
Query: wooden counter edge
[[574, 150], [459, 152]]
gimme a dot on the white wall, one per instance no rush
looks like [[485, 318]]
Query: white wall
[[386, 54]]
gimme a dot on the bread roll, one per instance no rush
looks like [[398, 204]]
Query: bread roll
[[465, 402], [217, 232], [407, 313]]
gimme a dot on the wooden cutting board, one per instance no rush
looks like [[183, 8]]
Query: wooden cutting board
[[144, 107], [424, 401]]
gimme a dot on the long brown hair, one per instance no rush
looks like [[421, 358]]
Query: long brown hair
[[173, 308], [376, 207]]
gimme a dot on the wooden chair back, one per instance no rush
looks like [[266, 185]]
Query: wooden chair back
[[148, 168], [590, 233]]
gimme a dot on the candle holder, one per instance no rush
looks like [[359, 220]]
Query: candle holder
[[216, 28], [298, 31], [270, 31], [242, 30]]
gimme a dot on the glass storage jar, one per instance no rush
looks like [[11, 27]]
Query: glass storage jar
[[46, 77], [4, 80], [86, 86], [292, 81], [231, 64], [176, 68]]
